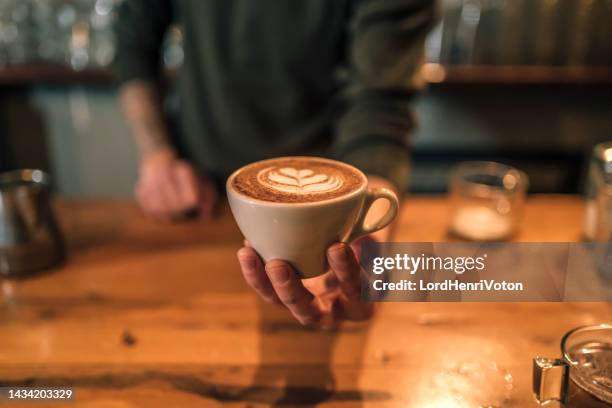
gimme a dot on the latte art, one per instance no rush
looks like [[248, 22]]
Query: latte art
[[304, 181], [297, 179]]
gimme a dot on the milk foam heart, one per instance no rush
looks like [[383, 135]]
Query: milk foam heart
[[298, 179], [302, 181]]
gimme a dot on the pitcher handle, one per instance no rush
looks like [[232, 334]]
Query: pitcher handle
[[550, 378]]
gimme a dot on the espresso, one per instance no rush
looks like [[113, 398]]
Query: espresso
[[297, 180]]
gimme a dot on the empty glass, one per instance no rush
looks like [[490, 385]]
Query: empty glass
[[598, 212], [487, 200]]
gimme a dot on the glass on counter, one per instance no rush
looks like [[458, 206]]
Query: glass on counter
[[582, 377], [487, 199], [598, 210]]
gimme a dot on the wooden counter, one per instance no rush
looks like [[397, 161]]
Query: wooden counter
[[157, 315]]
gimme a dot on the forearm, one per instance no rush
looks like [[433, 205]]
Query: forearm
[[386, 52], [141, 103]]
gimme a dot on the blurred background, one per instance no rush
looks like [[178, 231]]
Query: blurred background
[[524, 82]]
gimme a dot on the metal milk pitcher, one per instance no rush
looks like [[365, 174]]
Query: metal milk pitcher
[[30, 239]]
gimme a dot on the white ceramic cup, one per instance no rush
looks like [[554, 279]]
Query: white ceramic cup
[[300, 233]]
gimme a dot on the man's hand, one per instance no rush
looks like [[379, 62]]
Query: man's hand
[[326, 299], [170, 189], [321, 301]]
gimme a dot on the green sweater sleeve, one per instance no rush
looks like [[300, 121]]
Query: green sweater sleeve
[[386, 53], [140, 29]]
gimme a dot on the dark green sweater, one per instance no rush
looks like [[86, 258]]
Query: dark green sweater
[[264, 78]]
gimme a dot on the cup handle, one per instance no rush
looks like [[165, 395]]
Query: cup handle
[[362, 229]]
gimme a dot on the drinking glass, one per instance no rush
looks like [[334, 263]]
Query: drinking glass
[[582, 377], [487, 200], [598, 210]]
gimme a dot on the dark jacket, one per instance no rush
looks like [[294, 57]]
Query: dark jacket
[[264, 78]]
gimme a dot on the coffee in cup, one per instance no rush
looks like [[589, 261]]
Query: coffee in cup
[[294, 208]]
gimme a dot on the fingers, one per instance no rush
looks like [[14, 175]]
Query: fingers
[[255, 275], [338, 294], [157, 194], [173, 190], [347, 270], [169, 192], [195, 192], [151, 201], [165, 196], [292, 293], [186, 185]]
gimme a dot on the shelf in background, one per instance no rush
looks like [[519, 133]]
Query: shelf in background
[[33, 74], [516, 74], [437, 74]]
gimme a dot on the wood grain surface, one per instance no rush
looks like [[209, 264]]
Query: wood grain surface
[[157, 315]]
